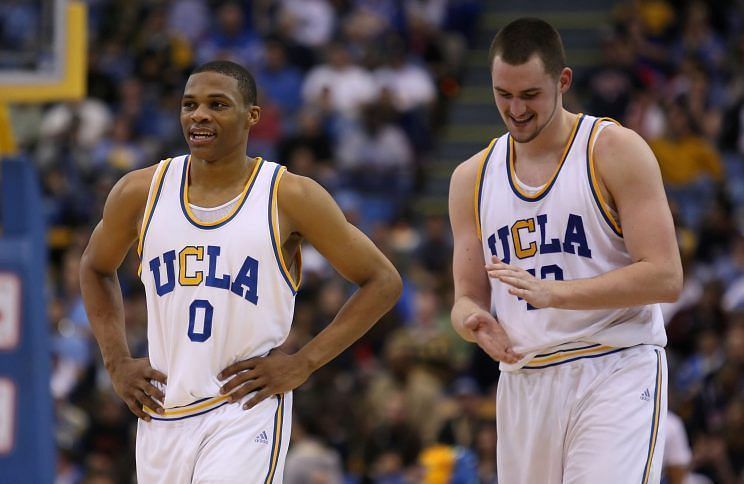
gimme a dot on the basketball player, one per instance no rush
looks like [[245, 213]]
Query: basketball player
[[219, 240], [564, 244]]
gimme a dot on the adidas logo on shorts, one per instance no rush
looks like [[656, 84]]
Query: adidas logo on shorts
[[262, 438], [646, 395]]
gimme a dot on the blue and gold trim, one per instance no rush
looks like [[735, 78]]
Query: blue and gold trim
[[198, 407], [478, 192], [150, 208], [511, 173], [560, 357], [294, 286], [276, 444], [602, 204], [656, 418], [222, 221]]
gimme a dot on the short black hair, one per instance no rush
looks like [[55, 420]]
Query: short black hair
[[246, 82], [521, 38]]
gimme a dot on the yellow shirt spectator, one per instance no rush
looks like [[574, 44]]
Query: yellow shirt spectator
[[685, 159]]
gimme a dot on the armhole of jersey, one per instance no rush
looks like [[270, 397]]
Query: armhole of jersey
[[602, 204], [156, 185], [478, 191], [294, 286]]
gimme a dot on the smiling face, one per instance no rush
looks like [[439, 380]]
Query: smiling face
[[527, 97], [214, 117]]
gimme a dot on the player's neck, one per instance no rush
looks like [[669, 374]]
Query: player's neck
[[222, 173], [551, 139]]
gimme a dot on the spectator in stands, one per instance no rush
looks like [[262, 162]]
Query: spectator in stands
[[410, 89], [338, 86], [699, 39], [463, 426], [677, 452], [281, 81], [376, 157], [231, 39], [310, 23], [689, 163], [404, 378], [309, 460], [119, 151], [611, 85]]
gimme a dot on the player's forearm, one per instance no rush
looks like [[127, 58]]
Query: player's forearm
[[105, 308], [363, 309], [464, 306], [633, 285]]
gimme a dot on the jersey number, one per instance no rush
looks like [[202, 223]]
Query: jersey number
[[201, 311], [545, 272]]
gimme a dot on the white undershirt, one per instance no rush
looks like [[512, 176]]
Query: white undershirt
[[530, 190], [527, 188], [210, 214]]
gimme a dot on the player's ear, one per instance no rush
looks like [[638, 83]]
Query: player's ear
[[253, 114], [565, 79]]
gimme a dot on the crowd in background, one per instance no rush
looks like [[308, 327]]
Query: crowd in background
[[674, 73], [354, 94]]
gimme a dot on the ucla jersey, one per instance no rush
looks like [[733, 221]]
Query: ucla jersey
[[217, 292], [564, 230]]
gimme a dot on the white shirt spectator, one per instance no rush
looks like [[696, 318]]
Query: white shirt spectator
[[93, 116], [347, 88], [431, 12], [677, 450], [310, 22], [387, 148], [410, 85]]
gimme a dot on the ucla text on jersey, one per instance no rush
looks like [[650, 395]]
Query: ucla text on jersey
[[192, 266]]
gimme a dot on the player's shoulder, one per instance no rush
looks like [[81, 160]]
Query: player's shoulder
[[130, 192], [300, 190], [294, 188], [136, 183], [622, 156], [616, 140], [302, 201]]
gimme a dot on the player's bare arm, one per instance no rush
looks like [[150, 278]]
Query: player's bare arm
[[307, 211], [471, 315], [108, 246], [631, 183]]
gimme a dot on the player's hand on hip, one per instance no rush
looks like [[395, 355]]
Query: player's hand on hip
[[132, 379], [267, 375], [491, 337], [521, 283]]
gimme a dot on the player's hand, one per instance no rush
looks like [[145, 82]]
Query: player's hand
[[491, 337], [267, 375], [132, 380], [522, 284]]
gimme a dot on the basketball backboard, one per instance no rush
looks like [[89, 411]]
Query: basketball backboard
[[42, 50]]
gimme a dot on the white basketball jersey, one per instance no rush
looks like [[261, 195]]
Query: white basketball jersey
[[217, 292], [564, 230]]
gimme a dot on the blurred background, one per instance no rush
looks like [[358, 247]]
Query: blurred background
[[378, 100]]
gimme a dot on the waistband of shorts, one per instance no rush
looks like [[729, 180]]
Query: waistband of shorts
[[199, 407], [570, 352]]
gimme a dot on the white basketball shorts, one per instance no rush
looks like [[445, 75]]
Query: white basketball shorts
[[584, 420], [225, 444]]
